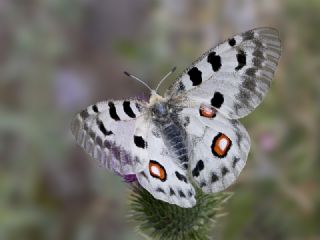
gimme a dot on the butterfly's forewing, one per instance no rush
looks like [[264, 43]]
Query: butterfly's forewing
[[234, 76], [163, 178], [105, 130], [220, 149]]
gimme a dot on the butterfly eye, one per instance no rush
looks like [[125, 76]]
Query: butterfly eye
[[206, 111]]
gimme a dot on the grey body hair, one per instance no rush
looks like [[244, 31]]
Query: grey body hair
[[165, 118]]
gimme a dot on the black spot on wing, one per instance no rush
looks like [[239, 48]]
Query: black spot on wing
[[84, 114], [128, 110], [224, 171], [232, 42], [172, 192], [214, 177], [95, 108], [160, 190], [181, 194], [181, 177], [139, 142], [185, 165], [242, 60], [198, 168], [103, 129], [203, 184], [195, 76], [217, 100], [215, 61], [235, 161], [113, 112]]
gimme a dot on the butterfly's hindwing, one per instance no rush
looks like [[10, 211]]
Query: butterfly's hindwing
[[220, 149], [163, 177], [106, 132], [234, 76]]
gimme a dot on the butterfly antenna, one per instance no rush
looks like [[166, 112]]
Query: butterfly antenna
[[138, 79], [165, 77]]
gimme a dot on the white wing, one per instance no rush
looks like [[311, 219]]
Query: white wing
[[163, 178], [234, 76], [106, 132], [220, 148]]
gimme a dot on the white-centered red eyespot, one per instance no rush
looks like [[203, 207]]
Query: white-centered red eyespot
[[207, 111], [221, 145], [157, 170]]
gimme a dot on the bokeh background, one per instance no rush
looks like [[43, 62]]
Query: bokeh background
[[58, 56]]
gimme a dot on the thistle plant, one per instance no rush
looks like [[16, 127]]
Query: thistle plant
[[156, 219]]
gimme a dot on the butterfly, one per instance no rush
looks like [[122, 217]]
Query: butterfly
[[190, 137]]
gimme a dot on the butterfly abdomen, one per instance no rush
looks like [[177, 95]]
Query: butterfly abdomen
[[175, 139]]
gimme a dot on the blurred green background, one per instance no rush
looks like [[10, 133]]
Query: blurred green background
[[59, 56]]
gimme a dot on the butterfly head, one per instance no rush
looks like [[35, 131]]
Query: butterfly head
[[155, 98], [158, 106]]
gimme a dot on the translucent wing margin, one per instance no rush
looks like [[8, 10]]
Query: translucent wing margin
[[105, 131], [234, 76]]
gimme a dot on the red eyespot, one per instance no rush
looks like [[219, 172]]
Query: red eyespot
[[207, 111], [221, 145], [157, 170]]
